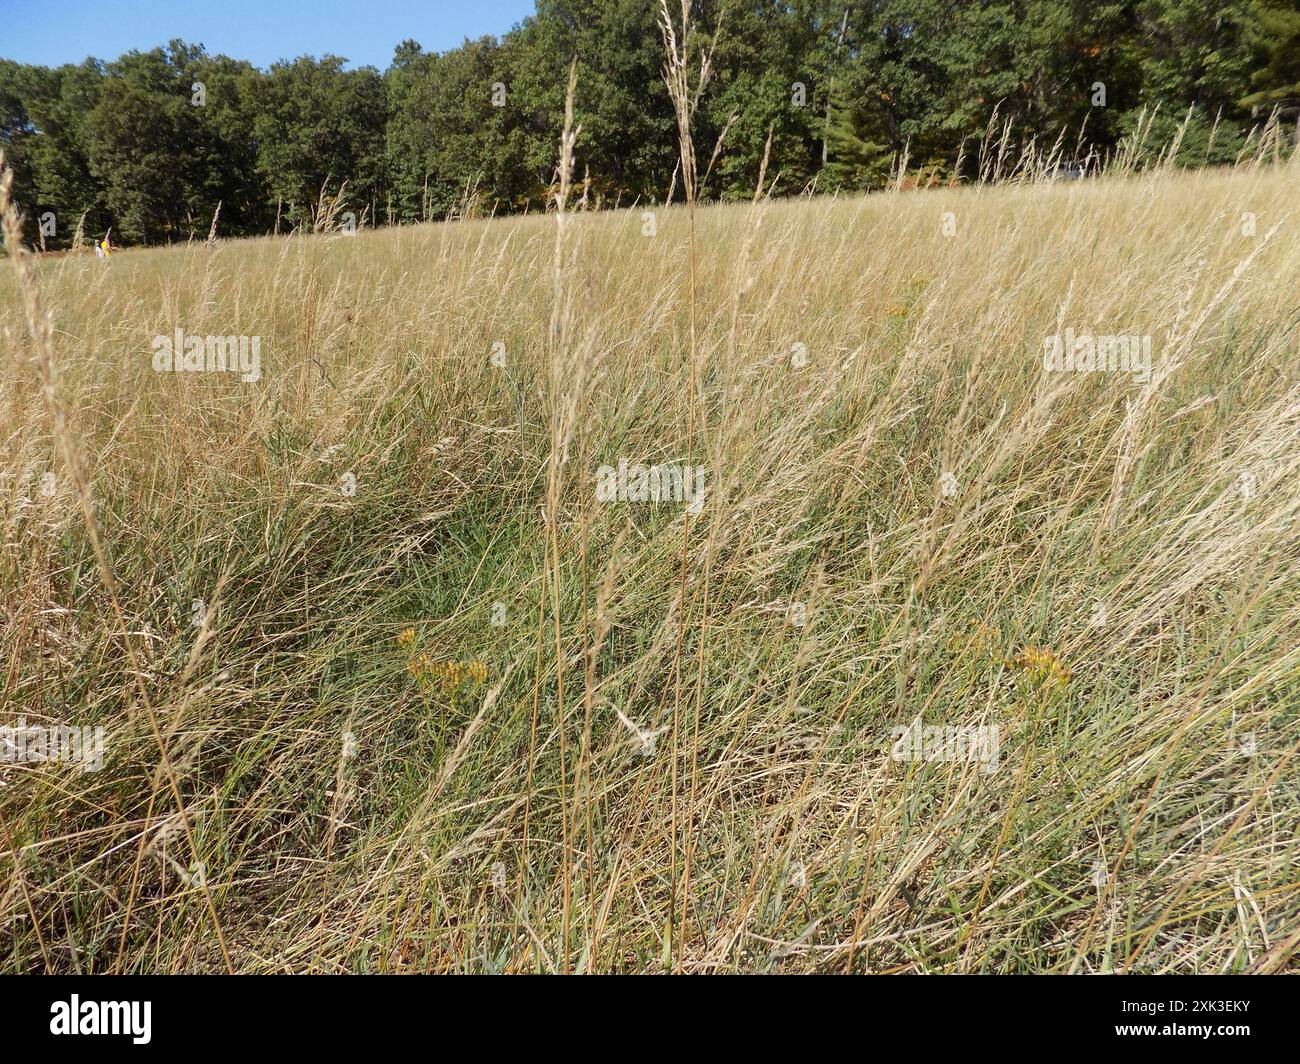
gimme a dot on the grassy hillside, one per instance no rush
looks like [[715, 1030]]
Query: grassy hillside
[[255, 588]]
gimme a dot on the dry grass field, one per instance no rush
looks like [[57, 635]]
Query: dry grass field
[[389, 683]]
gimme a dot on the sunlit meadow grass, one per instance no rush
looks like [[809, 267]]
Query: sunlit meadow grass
[[1102, 570]]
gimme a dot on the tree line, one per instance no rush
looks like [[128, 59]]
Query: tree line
[[834, 92]]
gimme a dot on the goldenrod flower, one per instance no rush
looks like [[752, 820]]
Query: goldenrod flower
[[1042, 665], [448, 675]]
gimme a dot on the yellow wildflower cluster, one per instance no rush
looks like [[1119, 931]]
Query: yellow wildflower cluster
[[1042, 666], [430, 673], [449, 675]]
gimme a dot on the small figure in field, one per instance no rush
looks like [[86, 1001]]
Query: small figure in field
[[104, 249]]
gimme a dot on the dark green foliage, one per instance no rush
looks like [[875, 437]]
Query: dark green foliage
[[843, 88], [1274, 34]]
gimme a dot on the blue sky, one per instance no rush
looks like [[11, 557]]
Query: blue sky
[[51, 32]]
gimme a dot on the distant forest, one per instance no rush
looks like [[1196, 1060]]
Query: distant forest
[[151, 143]]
